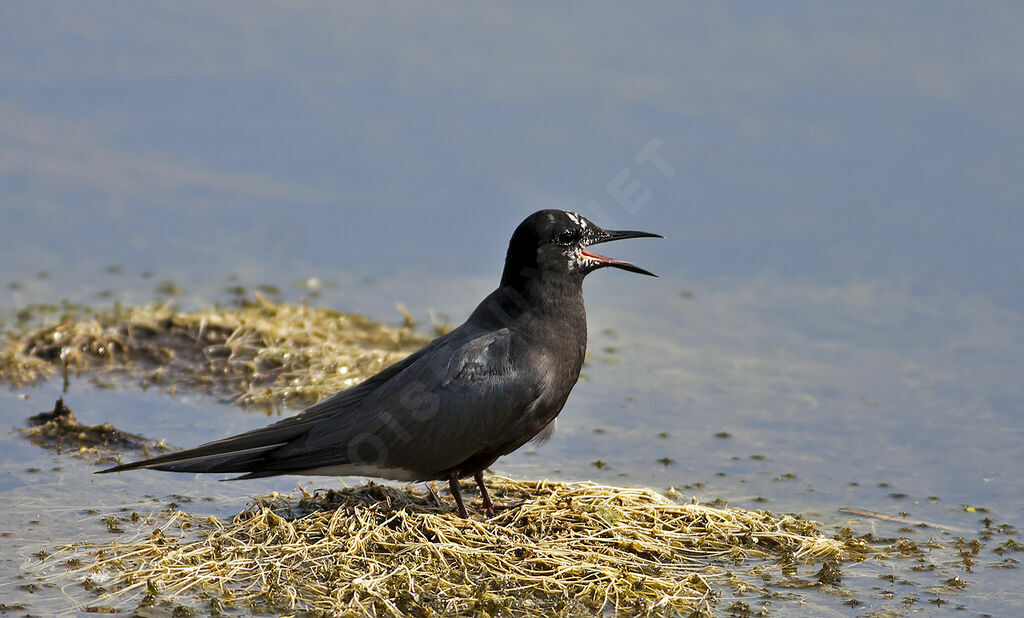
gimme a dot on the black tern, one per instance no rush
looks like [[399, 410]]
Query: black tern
[[449, 410]]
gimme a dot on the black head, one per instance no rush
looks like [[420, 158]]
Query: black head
[[550, 244]]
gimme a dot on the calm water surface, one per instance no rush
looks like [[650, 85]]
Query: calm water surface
[[838, 320]]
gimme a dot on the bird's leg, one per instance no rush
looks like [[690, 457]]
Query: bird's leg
[[488, 505], [453, 485]]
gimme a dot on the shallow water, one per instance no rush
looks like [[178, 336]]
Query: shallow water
[[787, 421], [838, 320]]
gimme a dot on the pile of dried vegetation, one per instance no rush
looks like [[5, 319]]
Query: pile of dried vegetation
[[259, 352], [379, 550]]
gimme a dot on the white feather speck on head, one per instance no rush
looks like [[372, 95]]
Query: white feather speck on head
[[577, 219]]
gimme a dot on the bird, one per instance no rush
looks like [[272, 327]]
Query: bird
[[451, 409]]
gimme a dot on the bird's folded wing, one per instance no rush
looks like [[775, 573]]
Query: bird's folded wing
[[231, 454], [458, 395], [452, 402]]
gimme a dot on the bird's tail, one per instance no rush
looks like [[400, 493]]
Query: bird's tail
[[241, 453]]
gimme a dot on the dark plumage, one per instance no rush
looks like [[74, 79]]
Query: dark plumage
[[451, 409]]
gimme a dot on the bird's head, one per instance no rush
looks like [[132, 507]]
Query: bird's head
[[552, 244]]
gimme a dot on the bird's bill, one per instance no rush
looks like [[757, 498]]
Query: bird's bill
[[622, 235], [602, 260], [611, 235]]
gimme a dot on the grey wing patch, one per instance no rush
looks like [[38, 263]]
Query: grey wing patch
[[483, 357], [545, 434]]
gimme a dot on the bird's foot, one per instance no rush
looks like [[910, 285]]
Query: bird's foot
[[501, 508]]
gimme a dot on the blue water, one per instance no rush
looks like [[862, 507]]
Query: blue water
[[841, 287]]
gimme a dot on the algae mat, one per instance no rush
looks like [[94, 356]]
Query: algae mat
[[375, 549]]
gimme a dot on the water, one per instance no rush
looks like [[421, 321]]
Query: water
[[838, 320]]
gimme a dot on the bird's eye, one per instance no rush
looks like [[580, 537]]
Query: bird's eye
[[567, 237]]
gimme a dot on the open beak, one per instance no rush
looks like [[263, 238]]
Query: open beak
[[610, 235]]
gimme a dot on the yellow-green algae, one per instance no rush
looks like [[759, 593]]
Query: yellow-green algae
[[379, 550]]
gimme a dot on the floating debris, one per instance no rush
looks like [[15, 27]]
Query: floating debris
[[59, 430], [380, 550], [850, 510]]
